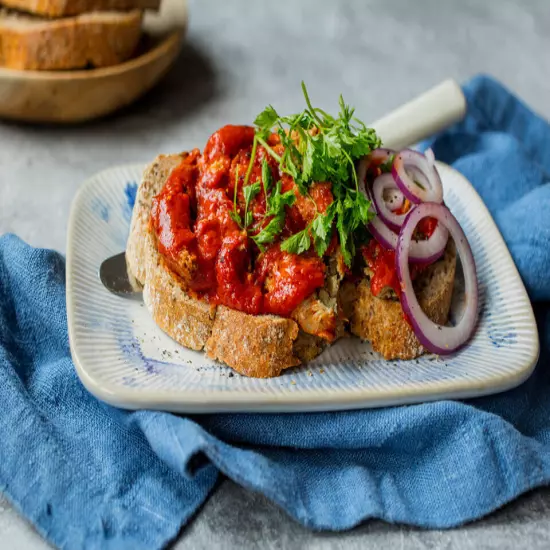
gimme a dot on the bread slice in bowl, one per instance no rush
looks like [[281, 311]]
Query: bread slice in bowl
[[98, 39], [63, 8]]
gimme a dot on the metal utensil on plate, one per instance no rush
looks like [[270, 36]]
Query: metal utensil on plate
[[114, 276], [429, 113]]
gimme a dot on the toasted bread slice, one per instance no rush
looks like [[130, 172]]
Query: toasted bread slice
[[382, 320], [260, 346], [98, 39], [59, 8]]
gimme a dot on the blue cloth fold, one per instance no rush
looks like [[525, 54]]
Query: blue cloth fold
[[92, 476]]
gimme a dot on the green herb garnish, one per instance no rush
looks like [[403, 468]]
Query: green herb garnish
[[385, 167], [298, 243], [249, 192], [317, 148], [235, 216], [322, 229], [275, 207]]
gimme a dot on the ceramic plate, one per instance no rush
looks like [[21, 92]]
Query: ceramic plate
[[123, 358]]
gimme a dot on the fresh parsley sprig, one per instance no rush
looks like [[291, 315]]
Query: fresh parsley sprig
[[249, 192], [275, 208], [319, 147]]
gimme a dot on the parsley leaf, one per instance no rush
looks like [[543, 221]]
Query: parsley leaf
[[267, 177], [235, 216], [362, 209], [308, 159], [276, 201], [267, 118], [275, 206], [249, 192], [298, 243], [270, 231], [321, 229]]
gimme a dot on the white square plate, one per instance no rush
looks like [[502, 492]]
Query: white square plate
[[123, 358]]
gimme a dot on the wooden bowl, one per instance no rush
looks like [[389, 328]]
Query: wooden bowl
[[77, 96]]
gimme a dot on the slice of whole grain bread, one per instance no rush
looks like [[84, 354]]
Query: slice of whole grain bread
[[98, 39], [60, 8], [260, 346]]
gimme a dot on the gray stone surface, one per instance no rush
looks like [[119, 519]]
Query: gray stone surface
[[239, 57]]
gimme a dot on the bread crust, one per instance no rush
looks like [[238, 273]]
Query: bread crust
[[98, 39], [382, 321], [140, 249], [188, 321], [58, 8]]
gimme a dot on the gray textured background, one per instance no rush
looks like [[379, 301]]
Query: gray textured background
[[239, 57]]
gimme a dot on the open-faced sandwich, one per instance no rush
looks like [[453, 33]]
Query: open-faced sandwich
[[281, 238]]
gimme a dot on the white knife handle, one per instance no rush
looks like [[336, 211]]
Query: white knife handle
[[422, 117]]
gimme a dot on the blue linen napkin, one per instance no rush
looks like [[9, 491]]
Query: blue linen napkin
[[92, 476]]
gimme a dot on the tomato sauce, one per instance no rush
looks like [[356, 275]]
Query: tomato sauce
[[381, 261], [288, 279], [382, 264], [173, 209], [194, 210], [425, 227]]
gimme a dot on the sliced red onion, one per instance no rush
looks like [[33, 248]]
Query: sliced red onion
[[380, 156], [380, 185], [437, 338], [421, 252], [410, 167]]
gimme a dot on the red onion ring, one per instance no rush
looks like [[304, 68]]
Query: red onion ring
[[409, 162], [436, 338], [381, 184], [420, 252], [380, 155]]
